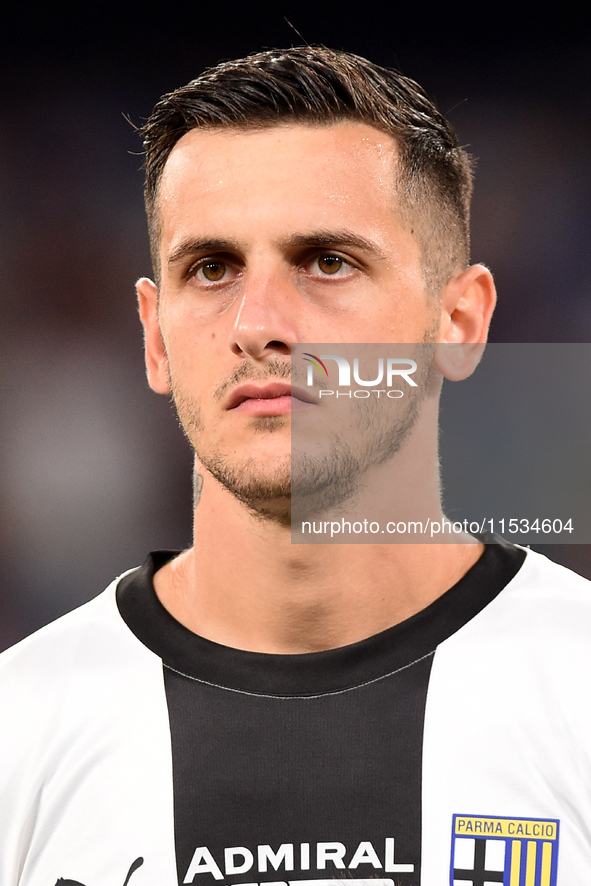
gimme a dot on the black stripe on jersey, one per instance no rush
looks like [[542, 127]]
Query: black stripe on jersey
[[295, 767]]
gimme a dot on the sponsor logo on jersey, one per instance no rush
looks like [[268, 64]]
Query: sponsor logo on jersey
[[293, 857], [489, 849]]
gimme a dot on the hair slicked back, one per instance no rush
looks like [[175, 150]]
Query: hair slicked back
[[319, 86]]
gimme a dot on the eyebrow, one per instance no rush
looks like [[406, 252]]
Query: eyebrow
[[194, 245], [327, 239], [323, 239]]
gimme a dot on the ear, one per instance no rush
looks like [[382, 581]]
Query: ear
[[155, 352], [467, 304]]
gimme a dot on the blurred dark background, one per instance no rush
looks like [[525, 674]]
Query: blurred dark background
[[93, 469]]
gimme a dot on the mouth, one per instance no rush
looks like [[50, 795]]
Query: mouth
[[275, 398]]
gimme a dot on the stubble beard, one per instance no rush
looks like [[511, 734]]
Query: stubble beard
[[322, 484], [304, 484], [265, 490]]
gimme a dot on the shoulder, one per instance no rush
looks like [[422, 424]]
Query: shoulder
[[69, 651], [541, 572], [84, 718], [540, 623], [67, 684], [549, 593], [524, 661]]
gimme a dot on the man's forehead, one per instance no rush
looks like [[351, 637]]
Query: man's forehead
[[340, 164], [346, 142]]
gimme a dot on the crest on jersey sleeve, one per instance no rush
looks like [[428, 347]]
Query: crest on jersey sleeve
[[487, 850]]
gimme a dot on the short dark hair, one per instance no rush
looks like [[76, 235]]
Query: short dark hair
[[319, 86]]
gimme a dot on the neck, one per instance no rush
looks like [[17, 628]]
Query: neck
[[244, 583]]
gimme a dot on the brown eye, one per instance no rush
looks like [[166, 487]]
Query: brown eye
[[214, 271], [330, 264]]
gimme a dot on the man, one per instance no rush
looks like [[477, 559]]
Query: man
[[254, 711]]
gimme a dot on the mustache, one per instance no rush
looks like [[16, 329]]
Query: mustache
[[273, 368]]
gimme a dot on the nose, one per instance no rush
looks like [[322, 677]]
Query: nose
[[265, 324]]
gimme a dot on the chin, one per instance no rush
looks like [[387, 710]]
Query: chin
[[263, 484]]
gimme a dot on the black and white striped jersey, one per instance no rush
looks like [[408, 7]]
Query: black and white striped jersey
[[454, 748]]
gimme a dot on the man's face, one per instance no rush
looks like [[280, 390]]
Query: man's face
[[271, 237]]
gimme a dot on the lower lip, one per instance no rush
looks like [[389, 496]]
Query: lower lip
[[272, 406]]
